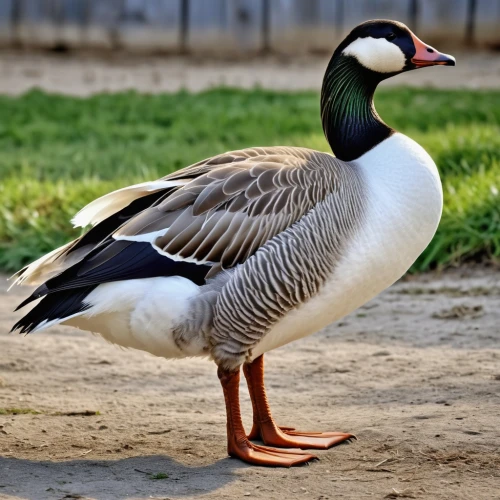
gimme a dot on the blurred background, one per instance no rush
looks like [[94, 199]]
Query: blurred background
[[98, 94], [234, 26]]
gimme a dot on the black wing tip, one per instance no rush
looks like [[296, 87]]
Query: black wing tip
[[23, 326], [55, 307], [25, 302], [39, 292]]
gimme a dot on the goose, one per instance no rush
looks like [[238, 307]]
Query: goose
[[249, 250]]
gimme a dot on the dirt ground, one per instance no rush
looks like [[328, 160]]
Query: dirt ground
[[415, 374], [84, 74]]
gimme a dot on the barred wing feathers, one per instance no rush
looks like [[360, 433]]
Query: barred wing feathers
[[234, 204], [217, 212]]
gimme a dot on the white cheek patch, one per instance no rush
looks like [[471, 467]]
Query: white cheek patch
[[377, 54]]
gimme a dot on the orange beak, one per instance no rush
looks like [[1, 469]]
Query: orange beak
[[426, 55]]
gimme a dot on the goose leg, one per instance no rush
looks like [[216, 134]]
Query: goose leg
[[265, 428], [238, 444]]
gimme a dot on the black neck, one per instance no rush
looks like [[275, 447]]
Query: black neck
[[350, 121]]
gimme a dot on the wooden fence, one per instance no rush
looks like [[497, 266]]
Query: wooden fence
[[243, 26]]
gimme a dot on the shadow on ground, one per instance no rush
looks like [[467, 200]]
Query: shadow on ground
[[157, 476]]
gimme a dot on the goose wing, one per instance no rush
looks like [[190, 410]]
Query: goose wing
[[212, 215], [234, 203]]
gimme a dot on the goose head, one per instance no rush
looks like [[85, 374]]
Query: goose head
[[389, 47], [371, 53]]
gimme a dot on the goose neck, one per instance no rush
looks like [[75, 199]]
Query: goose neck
[[351, 123]]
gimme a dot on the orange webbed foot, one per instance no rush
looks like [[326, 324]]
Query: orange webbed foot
[[288, 437], [264, 427], [266, 455]]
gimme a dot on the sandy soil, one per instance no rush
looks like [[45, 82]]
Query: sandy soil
[[81, 74], [415, 374]]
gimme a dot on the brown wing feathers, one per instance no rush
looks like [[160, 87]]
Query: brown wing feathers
[[218, 211], [232, 208]]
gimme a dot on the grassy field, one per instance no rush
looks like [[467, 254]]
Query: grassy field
[[58, 153]]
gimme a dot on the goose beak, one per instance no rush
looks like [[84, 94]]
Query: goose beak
[[425, 55]]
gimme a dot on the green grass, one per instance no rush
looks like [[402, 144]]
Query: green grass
[[18, 411], [158, 475], [58, 153]]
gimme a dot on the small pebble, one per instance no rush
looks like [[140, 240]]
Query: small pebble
[[381, 353]]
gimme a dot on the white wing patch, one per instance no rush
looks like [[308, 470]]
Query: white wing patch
[[110, 203], [146, 237], [151, 238]]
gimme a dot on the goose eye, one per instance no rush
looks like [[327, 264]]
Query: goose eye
[[390, 37]]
